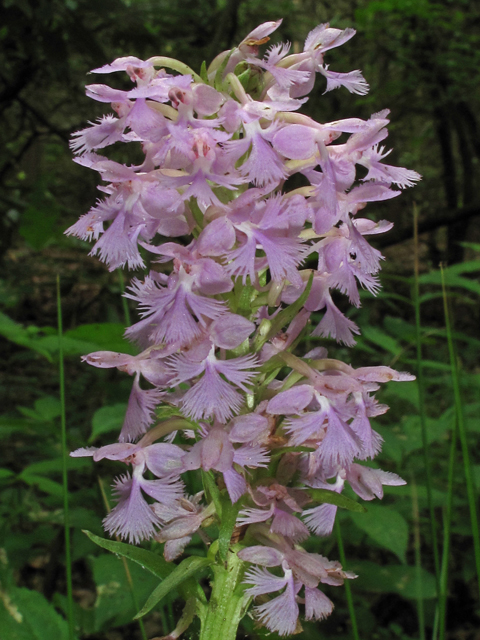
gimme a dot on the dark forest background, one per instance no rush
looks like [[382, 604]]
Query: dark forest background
[[422, 61]]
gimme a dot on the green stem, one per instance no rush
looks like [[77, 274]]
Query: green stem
[[228, 602], [442, 605], [418, 559], [421, 405], [66, 515], [348, 591], [462, 432], [126, 310]]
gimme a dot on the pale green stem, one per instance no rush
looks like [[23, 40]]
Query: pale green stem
[[126, 310], [176, 65], [228, 602], [66, 513]]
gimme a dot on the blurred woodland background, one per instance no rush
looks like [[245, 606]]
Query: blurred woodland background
[[422, 61]]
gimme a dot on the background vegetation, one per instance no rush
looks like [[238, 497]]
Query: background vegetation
[[422, 61]]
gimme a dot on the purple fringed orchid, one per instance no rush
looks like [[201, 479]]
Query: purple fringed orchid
[[208, 218], [133, 517]]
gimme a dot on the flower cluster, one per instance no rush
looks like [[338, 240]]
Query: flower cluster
[[231, 297]]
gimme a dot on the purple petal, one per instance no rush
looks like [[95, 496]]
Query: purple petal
[[281, 613], [235, 483], [249, 427], [132, 518], [230, 330], [258, 554], [291, 401], [140, 411], [317, 605], [164, 459], [263, 581], [289, 526], [320, 520]]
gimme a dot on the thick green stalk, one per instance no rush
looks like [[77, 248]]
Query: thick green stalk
[[66, 517], [228, 602], [462, 432]]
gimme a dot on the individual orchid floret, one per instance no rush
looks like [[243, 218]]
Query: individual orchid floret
[[216, 393], [133, 518], [177, 312], [215, 451], [247, 47], [279, 503], [281, 613], [142, 402]]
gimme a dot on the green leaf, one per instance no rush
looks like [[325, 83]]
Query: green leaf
[[25, 337], [387, 527], [153, 562], [382, 339], [107, 419], [399, 579], [332, 497], [44, 484], [6, 473], [186, 569], [283, 318], [114, 605], [27, 615], [229, 517]]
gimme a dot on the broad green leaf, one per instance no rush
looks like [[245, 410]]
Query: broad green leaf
[[229, 517], [153, 562], [107, 419], [386, 526], [332, 497], [399, 579], [6, 473], [26, 615], [186, 569]]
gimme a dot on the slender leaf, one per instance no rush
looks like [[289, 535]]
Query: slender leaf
[[146, 559], [229, 517], [186, 569], [332, 497]]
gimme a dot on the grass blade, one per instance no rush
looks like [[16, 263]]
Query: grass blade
[[421, 402], [63, 421], [442, 604], [462, 432]]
